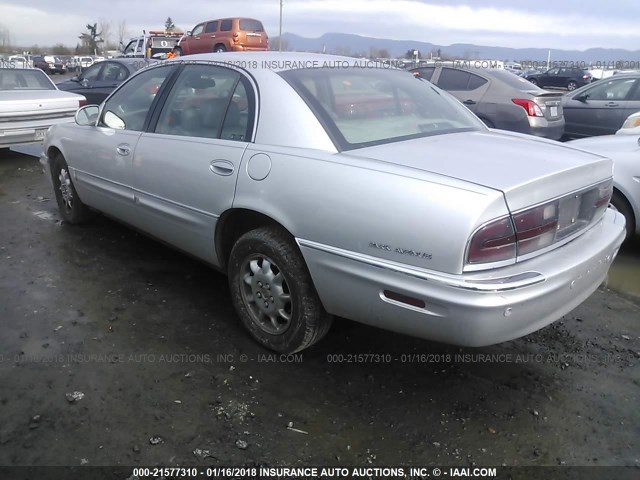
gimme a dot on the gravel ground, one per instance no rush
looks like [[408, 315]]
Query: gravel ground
[[116, 350]]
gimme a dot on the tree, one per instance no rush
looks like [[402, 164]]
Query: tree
[[60, 49], [105, 34], [169, 26], [123, 33], [92, 38], [5, 39]]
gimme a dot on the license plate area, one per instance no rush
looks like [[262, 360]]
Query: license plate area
[[569, 218], [40, 133]]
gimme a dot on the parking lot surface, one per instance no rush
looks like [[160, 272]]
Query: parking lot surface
[[116, 350]]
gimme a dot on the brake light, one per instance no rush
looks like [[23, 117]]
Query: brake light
[[82, 103], [532, 108], [605, 192], [495, 242]]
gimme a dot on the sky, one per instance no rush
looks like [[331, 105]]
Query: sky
[[565, 24]]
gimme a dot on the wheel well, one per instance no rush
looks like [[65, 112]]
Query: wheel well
[[220, 45], [623, 198], [233, 224]]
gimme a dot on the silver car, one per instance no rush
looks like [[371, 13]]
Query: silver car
[[29, 104], [501, 99], [624, 150], [329, 186]]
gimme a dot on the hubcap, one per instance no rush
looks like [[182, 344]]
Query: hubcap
[[65, 188], [266, 294]]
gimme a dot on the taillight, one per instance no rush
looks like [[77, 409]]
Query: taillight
[[82, 103], [605, 191], [495, 242], [532, 108], [536, 227]]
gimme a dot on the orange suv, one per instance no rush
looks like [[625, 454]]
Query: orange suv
[[222, 35]]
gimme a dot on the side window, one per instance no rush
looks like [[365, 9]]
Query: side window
[[91, 73], [475, 81], [611, 90], [425, 72], [129, 106], [203, 102], [453, 79], [553, 71], [197, 30], [113, 72], [240, 111], [226, 25], [211, 27]]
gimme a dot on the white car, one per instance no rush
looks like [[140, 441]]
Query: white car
[[631, 125], [30, 103], [624, 150]]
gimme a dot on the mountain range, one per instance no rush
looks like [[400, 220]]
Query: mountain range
[[349, 44]]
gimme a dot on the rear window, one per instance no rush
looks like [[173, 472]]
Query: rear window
[[363, 107], [513, 80], [16, 79], [249, 25]]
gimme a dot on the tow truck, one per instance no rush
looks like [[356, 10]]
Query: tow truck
[[152, 44]]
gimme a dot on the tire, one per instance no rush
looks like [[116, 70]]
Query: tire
[[219, 48], [264, 261], [571, 86], [533, 80], [619, 203], [71, 208], [177, 51]]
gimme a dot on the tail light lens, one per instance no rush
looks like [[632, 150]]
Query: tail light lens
[[495, 242], [532, 108], [536, 227]]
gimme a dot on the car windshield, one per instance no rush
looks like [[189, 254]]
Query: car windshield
[[28, 79], [361, 107]]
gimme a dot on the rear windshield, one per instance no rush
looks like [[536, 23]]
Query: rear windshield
[[360, 107], [249, 25], [513, 80], [17, 79]]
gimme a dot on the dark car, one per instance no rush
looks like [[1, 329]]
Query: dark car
[[50, 64], [564, 77], [500, 98], [602, 107], [100, 79]]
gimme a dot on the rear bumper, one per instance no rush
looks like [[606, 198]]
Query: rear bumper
[[541, 127], [470, 309], [25, 133], [244, 48]]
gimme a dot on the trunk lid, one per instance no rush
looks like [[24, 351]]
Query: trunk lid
[[526, 169], [550, 104], [29, 104]]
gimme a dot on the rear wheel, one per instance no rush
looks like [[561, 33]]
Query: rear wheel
[[619, 203], [273, 293], [571, 86], [219, 48], [71, 207]]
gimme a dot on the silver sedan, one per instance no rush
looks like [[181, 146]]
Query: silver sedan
[[328, 186]]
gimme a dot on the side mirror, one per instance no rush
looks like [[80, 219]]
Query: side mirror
[[583, 98], [111, 120], [87, 115], [84, 82], [188, 33]]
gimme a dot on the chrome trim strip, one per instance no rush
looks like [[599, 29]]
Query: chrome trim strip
[[512, 282]]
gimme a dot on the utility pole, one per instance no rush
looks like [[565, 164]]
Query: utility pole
[[280, 37]]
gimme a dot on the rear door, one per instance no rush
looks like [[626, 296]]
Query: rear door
[[467, 87], [599, 109], [186, 164]]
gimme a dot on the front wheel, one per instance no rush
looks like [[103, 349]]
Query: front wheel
[[571, 86], [71, 208], [534, 81], [177, 51], [273, 293]]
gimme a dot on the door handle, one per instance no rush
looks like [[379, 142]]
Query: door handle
[[197, 38], [213, 36], [612, 104], [221, 167], [123, 149], [469, 102]]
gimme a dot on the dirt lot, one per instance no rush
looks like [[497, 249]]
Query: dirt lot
[[149, 339]]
